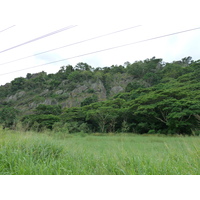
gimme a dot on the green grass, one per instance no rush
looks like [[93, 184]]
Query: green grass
[[36, 153]]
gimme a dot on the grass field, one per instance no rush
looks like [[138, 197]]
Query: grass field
[[36, 153]]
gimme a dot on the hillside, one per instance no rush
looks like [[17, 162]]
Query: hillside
[[147, 96], [68, 87]]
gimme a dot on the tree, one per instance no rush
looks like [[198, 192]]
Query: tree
[[64, 72], [17, 84], [167, 109], [38, 80], [147, 70], [134, 85], [8, 117], [83, 67], [117, 69], [105, 117], [74, 114], [43, 109], [75, 76], [89, 100], [136, 69], [186, 61], [42, 121]]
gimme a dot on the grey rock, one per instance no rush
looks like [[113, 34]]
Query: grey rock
[[116, 89], [17, 96], [58, 92], [44, 93]]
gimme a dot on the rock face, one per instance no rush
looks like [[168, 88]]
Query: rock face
[[70, 94], [50, 102], [16, 97], [119, 84], [116, 89], [77, 91], [44, 93], [83, 91], [99, 89], [59, 92]]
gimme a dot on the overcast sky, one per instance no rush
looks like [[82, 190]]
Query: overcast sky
[[34, 18]]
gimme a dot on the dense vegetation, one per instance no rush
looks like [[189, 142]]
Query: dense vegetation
[[155, 97], [46, 153]]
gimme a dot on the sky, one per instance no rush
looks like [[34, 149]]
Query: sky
[[153, 18]]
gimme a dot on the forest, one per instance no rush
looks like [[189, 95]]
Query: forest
[[144, 97]]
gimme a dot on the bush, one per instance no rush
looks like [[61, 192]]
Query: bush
[[89, 100]]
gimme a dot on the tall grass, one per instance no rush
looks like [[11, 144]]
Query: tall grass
[[36, 153]]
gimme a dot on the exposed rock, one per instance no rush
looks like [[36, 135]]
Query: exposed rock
[[99, 89], [64, 104], [33, 105], [16, 97], [70, 94], [58, 92], [50, 102], [116, 89], [44, 93], [64, 83], [76, 92], [11, 98]]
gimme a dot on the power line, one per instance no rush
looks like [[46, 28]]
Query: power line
[[98, 51], [41, 37], [86, 40], [7, 28]]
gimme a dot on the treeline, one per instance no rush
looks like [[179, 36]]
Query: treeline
[[145, 73], [162, 98]]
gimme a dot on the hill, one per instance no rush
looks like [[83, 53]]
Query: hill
[[147, 96]]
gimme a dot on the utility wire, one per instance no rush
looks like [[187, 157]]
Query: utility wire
[[86, 40], [41, 37], [7, 28], [141, 41]]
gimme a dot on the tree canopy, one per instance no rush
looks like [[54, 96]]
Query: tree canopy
[[158, 98]]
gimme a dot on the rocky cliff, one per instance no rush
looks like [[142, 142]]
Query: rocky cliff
[[67, 93]]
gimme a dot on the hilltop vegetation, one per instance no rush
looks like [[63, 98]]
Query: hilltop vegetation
[[147, 96]]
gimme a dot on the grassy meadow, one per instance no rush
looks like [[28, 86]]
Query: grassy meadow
[[33, 153]]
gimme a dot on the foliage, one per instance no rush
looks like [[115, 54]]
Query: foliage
[[8, 117], [17, 84], [158, 98], [133, 86], [44, 117], [40, 122], [89, 100], [48, 109]]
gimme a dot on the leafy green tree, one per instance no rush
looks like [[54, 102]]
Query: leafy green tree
[[4, 90], [187, 61], [76, 76], [74, 114], [43, 109], [42, 120], [117, 69], [44, 117], [168, 109], [28, 76], [136, 69], [38, 81], [133, 86], [18, 84], [105, 117], [64, 72], [148, 70], [83, 67], [8, 117], [89, 100]]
